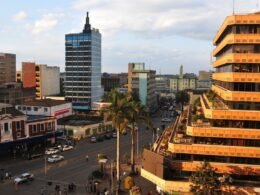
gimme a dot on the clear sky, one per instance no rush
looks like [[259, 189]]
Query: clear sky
[[161, 33]]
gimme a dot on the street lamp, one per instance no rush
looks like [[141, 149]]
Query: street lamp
[[137, 141]]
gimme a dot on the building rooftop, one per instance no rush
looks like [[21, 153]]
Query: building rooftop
[[45, 103], [36, 117], [79, 120], [10, 111]]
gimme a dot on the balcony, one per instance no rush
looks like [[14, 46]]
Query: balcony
[[237, 39], [241, 96], [218, 150], [237, 19], [237, 77], [220, 112], [246, 58], [227, 168]]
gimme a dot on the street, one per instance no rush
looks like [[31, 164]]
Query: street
[[74, 168]]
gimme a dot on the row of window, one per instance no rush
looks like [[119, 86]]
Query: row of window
[[251, 68], [28, 108], [77, 94], [36, 128]]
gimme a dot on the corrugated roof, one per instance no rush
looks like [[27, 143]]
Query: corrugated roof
[[45, 103]]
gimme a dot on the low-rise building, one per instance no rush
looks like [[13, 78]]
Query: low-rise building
[[46, 107]]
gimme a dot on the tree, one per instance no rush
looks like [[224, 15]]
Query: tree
[[205, 181], [117, 113], [135, 114], [182, 97]]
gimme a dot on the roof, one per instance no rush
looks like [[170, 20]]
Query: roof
[[36, 117], [44, 103], [79, 120], [12, 111]]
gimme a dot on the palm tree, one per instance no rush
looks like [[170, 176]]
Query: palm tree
[[182, 97], [135, 114], [117, 113]]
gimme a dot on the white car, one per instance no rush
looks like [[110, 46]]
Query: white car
[[166, 120], [25, 177], [55, 158], [93, 139], [67, 147], [51, 151], [114, 135]]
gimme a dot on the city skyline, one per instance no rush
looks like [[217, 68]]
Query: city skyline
[[160, 33]]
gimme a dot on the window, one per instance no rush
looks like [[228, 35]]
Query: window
[[35, 109], [18, 125], [29, 108], [42, 127], [34, 129], [45, 109], [6, 127], [49, 126], [24, 108], [19, 107]]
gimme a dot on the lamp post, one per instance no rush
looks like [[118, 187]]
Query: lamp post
[[137, 141]]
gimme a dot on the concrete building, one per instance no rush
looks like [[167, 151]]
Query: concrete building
[[43, 79], [62, 81], [204, 80], [222, 126], [83, 68], [142, 82], [183, 81], [162, 83], [110, 81], [28, 74], [7, 68], [47, 80], [46, 107]]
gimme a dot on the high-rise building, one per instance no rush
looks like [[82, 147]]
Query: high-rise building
[[204, 79], [223, 125], [142, 82], [7, 68], [83, 68]]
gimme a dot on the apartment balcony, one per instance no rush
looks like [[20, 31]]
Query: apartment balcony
[[236, 19], [237, 39], [220, 112], [218, 150], [237, 133], [237, 77], [226, 168], [237, 58], [241, 96]]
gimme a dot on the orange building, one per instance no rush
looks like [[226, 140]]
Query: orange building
[[28, 74], [223, 126]]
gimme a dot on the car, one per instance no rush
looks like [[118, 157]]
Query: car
[[165, 120], [67, 147], [107, 135], [52, 151], [25, 177], [114, 135], [55, 158], [93, 139]]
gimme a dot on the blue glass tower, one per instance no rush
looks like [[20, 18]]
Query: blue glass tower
[[83, 68]]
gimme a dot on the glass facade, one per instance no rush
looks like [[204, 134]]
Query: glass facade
[[83, 69]]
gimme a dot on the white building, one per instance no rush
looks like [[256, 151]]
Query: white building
[[46, 107], [47, 80]]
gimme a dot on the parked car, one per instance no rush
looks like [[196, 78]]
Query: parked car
[[114, 135], [52, 151], [107, 135], [25, 177], [55, 158], [67, 147], [93, 139], [165, 120]]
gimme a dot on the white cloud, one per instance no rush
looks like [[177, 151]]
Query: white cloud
[[20, 16], [46, 23]]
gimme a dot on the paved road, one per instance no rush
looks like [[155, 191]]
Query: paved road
[[73, 169]]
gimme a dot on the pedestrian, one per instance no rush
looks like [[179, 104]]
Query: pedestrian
[[87, 158]]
